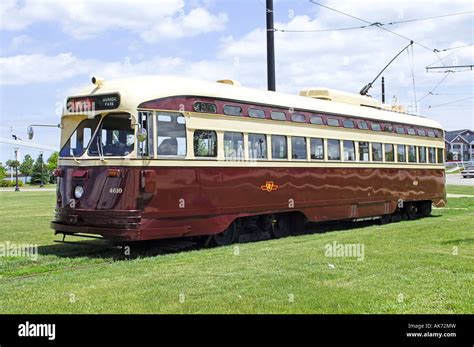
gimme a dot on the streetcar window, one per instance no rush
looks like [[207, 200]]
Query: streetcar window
[[334, 150], [171, 133], [421, 132], [432, 155], [348, 123], [114, 138], [205, 107], [401, 154], [363, 125], [257, 144], [389, 152], [256, 113], [317, 149], [422, 154], [411, 131], [233, 146], [80, 138], [232, 110], [440, 156], [375, 127], [275, 115], [145, 119], [400, 130], [412, 154], [349, 150], [296, 117], [388, 128], [364, 151], [334, 122], [316, 120], [298, 148], [279, 147], [205, 143], [431, 133], [376, 152]]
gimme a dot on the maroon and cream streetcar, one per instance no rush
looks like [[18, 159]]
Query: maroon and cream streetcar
[[164, 157]]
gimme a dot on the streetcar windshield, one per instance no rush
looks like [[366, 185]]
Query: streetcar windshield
[[80, 138], [115, 137]]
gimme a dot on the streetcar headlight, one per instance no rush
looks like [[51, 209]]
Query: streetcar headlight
[[78, 192]]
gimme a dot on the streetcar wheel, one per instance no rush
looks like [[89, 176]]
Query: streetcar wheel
[[412, 211], [425, 208], [385, 219], [280, 226], [227, 237]]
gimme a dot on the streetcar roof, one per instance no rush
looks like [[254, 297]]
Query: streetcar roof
[[136, 90]]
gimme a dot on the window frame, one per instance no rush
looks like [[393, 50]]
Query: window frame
[[328, 141], [249, 147], [293, 148], [311, 148], [381, 151], [273, 137], [216, 145]]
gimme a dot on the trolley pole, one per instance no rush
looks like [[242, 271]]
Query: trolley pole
[[17, 188], [383, 90], [270, 47]]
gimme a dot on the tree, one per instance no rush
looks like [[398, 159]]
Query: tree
[[12, 164], [39, 169], [26, 167], [52, 164], [3, 171]]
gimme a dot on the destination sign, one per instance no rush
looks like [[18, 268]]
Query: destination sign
[[93, 103]]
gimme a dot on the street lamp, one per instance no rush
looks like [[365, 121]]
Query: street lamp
[[41, 156], [17, 188]]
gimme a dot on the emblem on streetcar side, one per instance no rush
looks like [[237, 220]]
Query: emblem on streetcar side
[[269, 186]]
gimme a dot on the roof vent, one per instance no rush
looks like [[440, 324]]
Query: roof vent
[[342, 97], [231, 82]]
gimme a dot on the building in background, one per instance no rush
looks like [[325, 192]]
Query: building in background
[[459, 145]]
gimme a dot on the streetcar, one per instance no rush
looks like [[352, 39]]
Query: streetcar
[[157, 157]]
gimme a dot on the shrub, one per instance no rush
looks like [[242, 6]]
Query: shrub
[[8, 183]]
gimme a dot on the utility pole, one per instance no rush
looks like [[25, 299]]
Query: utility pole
[[383, 90], [270, 47], [41, 156], [17, 188]]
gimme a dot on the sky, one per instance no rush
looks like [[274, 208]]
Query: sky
[[49, 49]]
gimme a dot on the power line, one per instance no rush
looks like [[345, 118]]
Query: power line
[[432, 90], [371, 24], [378, 25], [426, 18], [449, 103], [457, 49], [413, 73], [320, 30]]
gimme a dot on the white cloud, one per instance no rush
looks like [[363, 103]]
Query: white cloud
[[345, 60], [39, 68], [82, 19]]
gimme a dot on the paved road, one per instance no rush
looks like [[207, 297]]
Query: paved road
[[459, 180]]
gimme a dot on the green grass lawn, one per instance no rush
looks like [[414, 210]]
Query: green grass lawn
[[467, 190], [422, 266]]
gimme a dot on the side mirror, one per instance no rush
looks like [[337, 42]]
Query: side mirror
[[30, 132], [142, 134]]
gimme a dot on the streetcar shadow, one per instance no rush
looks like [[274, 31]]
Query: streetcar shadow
[[116, 251], [142, 249]]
